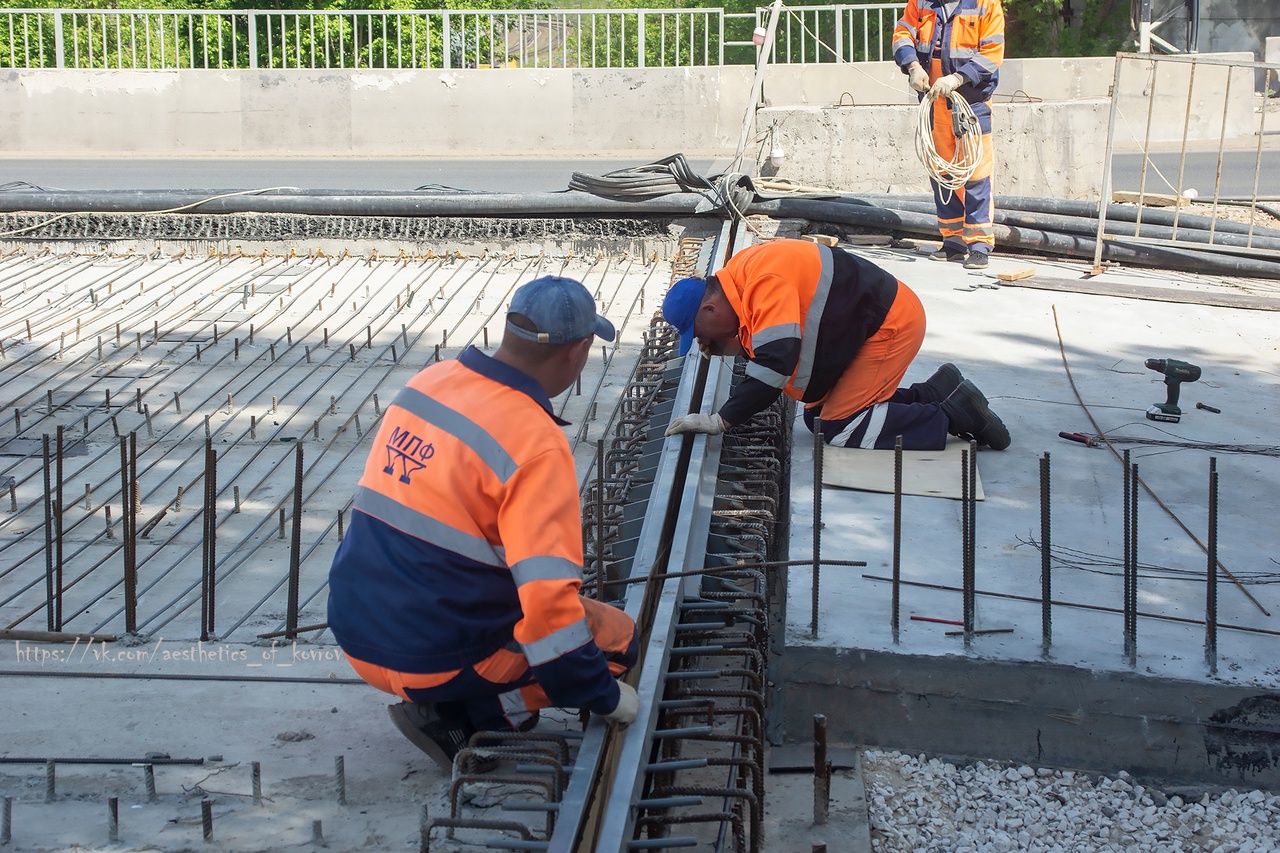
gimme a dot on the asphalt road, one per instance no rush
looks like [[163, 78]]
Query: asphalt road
[[488, 175], [540, 175]]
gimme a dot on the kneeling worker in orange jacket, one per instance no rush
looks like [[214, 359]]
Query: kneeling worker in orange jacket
[[835, 332], [457, 585]]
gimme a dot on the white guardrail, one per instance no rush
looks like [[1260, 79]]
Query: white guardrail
[[153, 39]]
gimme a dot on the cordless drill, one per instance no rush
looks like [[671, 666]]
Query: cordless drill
[[1175, 373]]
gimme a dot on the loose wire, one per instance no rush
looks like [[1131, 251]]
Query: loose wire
[[950, 175]]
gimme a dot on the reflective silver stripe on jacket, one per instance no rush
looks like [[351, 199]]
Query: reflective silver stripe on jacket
[[558, 643], [545, 569], [460, 427], [427, 529], [813, 320]]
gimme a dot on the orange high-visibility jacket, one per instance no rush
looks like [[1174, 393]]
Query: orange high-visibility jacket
[[970, 40], [466, 534], [804, 311]]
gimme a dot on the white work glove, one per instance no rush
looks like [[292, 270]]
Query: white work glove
[[709, 424], [918, 78], [944, 86], [628, 704]]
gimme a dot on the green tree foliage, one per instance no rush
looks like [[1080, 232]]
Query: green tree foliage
[[1038, 28]]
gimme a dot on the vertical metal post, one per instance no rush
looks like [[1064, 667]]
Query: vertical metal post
[[295, 549], [1046, 560], [817, 522], [1211, 575], [895, 617], [1105, 198]]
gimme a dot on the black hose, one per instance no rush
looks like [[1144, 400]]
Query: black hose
[[1089, 210], [363, 204], [1070, 224], [1027, 239]]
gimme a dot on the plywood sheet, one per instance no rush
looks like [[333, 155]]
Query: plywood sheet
[[931, 473]]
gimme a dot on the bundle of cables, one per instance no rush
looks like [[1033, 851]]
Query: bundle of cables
[[951, 175]]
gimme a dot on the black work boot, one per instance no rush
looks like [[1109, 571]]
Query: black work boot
[[424, 726], [939, 386], [950, 255], [971, 418]]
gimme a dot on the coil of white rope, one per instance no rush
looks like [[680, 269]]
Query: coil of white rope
[[951, 175]]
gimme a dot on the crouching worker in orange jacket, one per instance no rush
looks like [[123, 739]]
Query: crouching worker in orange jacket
[[456, 587], [833, 331]]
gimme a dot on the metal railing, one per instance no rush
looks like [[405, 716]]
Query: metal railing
[[151, 39], [1159, 103]]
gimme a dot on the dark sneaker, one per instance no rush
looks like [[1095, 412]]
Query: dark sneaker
[[948, 255], [422, 725], [939, 386], [976, 261], [971, 418]]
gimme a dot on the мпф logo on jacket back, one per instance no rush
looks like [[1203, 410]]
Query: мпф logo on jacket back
[[407, 452]]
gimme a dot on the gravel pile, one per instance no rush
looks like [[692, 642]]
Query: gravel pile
[[923, 804]]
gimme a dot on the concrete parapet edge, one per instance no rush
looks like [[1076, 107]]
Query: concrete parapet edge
[[1162, 731]]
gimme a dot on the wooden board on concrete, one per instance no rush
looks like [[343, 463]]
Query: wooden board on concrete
[[822, 239], [1149, 199], [1157, 294], [1016, 275], [930, 473]]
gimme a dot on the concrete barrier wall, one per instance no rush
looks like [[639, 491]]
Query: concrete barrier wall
[[844, 126], [1052, 150], [373, 113]]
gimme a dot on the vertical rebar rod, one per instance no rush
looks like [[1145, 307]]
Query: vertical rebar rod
[[113, 819], [58, 504], [1211, 575], [6, 820], [895, 615], [1133, 572], [48, 535], [295, 549], [600, 520], [149, 781], [50, 781], [255, 781], [817, 524], [821, 771], [340, 779], [1128, 472], [204, 550], [209, 577], [206, 818], [131, 540], [1046, 562], [966, 488]]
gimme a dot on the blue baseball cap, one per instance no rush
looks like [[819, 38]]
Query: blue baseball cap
[[680, 308], [561, 309]]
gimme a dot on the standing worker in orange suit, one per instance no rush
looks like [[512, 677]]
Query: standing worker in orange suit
[[833, 331], [956, 46], [457, 585]]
